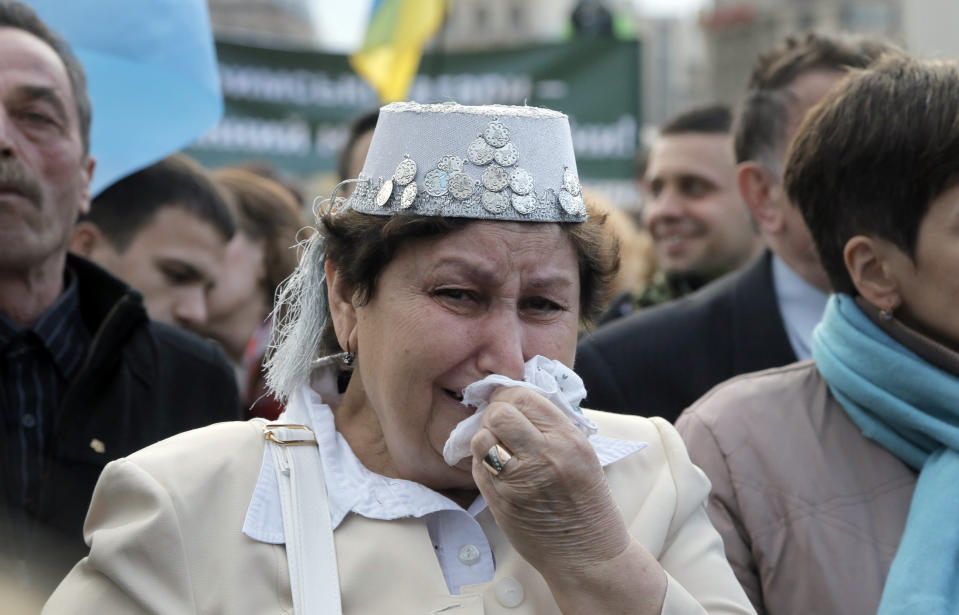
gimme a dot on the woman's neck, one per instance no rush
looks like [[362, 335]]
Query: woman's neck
[[361, 428], [359, 425]]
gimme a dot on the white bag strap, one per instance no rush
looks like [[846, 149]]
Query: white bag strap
[[307, 527]]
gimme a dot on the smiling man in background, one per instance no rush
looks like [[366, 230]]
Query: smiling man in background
[[699, 223]]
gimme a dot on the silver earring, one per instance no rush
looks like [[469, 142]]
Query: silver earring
[[348, 359], [885, 314]]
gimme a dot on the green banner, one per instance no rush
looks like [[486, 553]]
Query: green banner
[[291, 108]]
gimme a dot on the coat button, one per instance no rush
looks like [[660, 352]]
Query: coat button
[[469, 554], [509, 592]]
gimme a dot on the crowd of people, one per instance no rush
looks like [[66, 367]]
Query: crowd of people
[[465, 384]]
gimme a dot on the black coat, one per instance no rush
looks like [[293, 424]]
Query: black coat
[[660, 360], [140, 382]]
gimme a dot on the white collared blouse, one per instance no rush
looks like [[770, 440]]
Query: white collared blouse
[[462, 549]]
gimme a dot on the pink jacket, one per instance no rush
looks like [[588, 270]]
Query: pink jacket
[[811, 512]]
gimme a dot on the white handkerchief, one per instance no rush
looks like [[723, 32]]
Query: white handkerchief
[[549, 378]]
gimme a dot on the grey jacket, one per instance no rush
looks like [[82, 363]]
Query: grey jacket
[[811, 512]]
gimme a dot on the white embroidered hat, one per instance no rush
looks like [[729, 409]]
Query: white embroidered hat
[[491, 162]]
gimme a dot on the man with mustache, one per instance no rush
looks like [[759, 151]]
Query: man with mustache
[[85, 377], [659, 361]]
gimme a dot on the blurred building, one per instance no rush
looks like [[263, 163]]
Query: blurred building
[[266, 22], [737, 31], [674, 69], [485, 24], [929, 27]]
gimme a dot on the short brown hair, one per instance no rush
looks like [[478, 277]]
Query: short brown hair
[[710, 119], [361, 245], [266, 211], [761, 127], [126, 207], [872, 156]]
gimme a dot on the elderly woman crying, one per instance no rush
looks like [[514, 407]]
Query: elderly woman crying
[[432, 457]]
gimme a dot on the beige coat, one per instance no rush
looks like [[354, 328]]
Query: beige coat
[[164, 530], [810, 510]]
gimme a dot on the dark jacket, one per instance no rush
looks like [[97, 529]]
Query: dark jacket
[[140, 382], [659, 361]]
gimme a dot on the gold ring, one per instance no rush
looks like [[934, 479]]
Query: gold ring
[[496, 459]]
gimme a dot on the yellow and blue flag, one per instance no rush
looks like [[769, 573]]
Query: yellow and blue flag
[[390, 55]]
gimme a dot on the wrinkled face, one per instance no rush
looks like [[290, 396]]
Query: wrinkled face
[[694, 211], [448, 312], [238, 304], [44, 172], [929, 284], [174, 261]]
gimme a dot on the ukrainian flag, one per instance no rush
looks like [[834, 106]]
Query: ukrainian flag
[[390, 55]]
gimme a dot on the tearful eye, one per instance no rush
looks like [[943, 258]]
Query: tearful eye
[[455, 294], [541, 304]]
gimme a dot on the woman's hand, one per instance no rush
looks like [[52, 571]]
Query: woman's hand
[[554, 505], [552, 499]]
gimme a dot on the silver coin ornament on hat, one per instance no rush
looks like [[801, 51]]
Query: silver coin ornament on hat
[[515, 163], [408, 197], [405, 172]]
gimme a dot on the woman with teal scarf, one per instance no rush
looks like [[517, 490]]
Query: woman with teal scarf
[[836, 481]]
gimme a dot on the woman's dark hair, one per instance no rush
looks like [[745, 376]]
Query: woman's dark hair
[[873, 155], [361, 245]]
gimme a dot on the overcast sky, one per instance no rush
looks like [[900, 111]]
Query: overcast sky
[[342, 24], [670, 7]]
